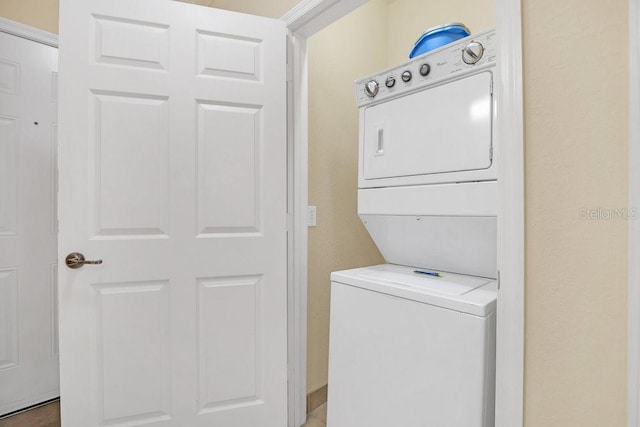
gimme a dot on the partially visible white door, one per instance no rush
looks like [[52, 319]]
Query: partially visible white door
[[172, 172], [28, 224]]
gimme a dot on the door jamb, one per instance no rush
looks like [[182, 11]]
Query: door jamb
[[306, 19], [511, 218], [297, 225]]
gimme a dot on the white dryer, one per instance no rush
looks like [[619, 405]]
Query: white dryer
[[412, 342]]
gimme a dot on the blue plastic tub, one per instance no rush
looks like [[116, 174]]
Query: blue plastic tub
[[439, 36]]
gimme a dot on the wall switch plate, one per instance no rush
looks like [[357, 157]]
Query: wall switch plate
[[311, 216]]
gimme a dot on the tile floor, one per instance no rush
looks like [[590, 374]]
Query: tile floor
[[317, 418], [49, 416], [43, 416]]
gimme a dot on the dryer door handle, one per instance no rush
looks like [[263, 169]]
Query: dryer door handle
[[380, 142]]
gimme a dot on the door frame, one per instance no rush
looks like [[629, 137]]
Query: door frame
[[27, 32], [306, 19], [633, 286]]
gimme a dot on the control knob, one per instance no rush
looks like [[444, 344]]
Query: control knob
[[391, 82], [472, 53], [371, 88], [406, 76], [425, 69]]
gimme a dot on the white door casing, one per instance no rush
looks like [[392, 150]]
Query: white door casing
[[28, 223], [173, 172]]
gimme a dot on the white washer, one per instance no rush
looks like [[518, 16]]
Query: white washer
[[410, 350]]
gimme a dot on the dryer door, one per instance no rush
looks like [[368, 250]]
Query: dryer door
[[441, 129]]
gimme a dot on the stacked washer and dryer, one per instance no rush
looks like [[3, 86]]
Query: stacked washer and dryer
[[412, 342]]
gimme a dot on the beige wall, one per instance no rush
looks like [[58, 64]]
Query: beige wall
[[575, 75], [575, 87], [41, 14], [269, 8], [338, 55]]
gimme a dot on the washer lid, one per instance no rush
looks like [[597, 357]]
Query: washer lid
[[467, 294]]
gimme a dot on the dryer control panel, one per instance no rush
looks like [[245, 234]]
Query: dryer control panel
[[475, 52]]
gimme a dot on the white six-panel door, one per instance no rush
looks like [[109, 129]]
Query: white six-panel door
[[173, 172], [28, 224]]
